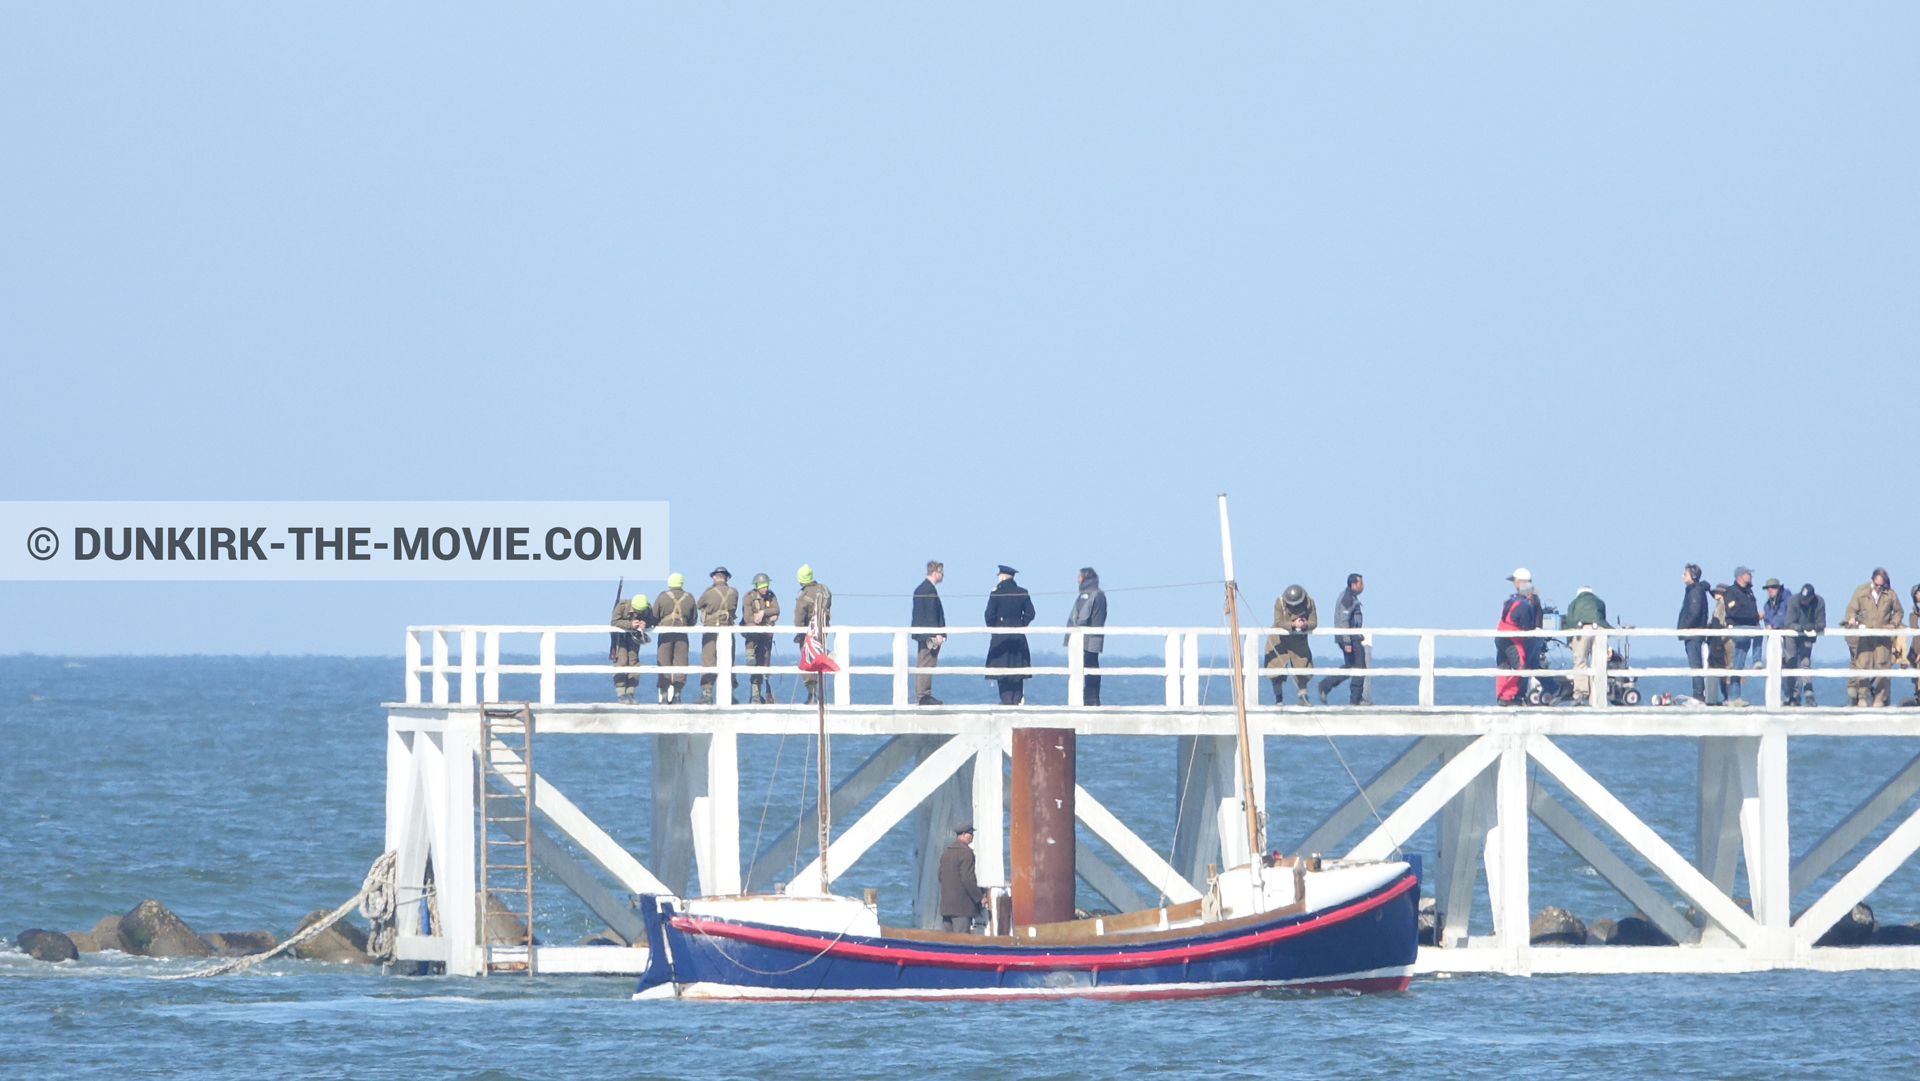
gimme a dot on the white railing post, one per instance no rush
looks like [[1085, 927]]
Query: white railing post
[[412, 689], [1076, 668], [1597, 667], [902, 668], [1190, 669], [1250, 691], [439, 668], [1776, 645], [842, 680], [453, 865], [547, 674], [1426, 669], [723, 665], [491, 658], [469, 669], [1173, 669]]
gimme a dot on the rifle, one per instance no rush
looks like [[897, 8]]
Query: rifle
[[619, 590]]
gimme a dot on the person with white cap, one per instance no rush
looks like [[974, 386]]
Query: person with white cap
[[1520, 613], [1586, 610]]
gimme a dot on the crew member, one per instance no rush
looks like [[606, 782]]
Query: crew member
[[1696, 612], [1586, 611], [674, 608], [960, 892], [814, 601], [760, 608], [928, 612], [1294, 612], [1009, 605], [1353, 647], [633, 617], [1807, 616], [717, 606], [1520, 613], [1743, 611], [1089, 610]]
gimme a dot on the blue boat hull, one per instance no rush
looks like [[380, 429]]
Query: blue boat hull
[[1366, 944]]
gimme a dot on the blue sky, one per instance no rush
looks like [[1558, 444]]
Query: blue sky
[[1431, 291]]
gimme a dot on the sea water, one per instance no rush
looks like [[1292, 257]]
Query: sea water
[[245, 792]]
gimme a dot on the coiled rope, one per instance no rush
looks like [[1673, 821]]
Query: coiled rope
[[377, 901]]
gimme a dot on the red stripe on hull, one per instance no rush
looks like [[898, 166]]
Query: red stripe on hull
[[1372, 985]]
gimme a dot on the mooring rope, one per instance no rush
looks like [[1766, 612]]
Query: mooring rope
[[377, 901]]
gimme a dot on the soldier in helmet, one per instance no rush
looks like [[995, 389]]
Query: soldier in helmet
[[760, 608], [1294, 613], [814, 601], [632, 616], [717, 606], [674, 608]]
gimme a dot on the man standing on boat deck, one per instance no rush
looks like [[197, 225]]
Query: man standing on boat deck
[[1520, 613], [1873, 606], [632, 616], [716, 610], [1009, 606], [1696, 611], [674, 608], [928, 612], [1587, 612], [1293, 612], [1089, 610], [813, 601], [1353, 647], [760, 608], [960, 892]]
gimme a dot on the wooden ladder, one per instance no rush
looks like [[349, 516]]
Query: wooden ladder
[[506, 833]]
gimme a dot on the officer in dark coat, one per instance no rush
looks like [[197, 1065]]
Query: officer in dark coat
[[1009, 605], [960, 892]]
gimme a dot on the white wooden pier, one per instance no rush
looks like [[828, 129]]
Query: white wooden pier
[[1473, 768]]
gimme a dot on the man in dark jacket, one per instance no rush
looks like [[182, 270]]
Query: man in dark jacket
[[1089, 610], [1586, 611], [1353, 649], [928, 612], [1743, 610], [1009, 606], [960, 892], [1807, 614], [1696, 611]]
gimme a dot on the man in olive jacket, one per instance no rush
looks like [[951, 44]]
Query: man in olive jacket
[[960, 892], [760, 608], [674, 608], [717, 607], [1589, 611], [632, 616], [814, 601], [1293, 611], [1873, 606]]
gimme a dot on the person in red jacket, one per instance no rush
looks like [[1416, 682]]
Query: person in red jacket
[[1520, 613]]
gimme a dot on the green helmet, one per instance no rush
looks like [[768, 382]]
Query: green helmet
[[806, 573], [675, 580], [638, 602], [760, 580]]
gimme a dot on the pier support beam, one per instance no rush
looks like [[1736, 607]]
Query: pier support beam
[[1204, 777], [1042, 836], [679, 777], [947, 807]]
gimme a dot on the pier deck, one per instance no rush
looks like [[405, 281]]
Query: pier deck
[[1489, 778]]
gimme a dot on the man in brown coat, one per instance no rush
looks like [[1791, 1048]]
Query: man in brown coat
[[717, 605], [813, 601], [760, 608], [1293, 611], [674, 608], [1872, 607], [632, 616], [960, 892]]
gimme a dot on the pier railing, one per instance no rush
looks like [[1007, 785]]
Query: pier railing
[[443, 661]]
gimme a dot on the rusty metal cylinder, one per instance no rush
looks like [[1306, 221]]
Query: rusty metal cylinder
[[1040, 837]]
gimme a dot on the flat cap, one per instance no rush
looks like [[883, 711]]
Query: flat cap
[[964, 827]]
